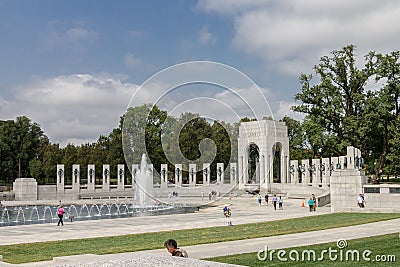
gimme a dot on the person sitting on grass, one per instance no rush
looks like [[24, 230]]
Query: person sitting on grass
[[172, 247]]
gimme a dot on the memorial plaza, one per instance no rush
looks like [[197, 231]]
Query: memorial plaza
[[244, 209]]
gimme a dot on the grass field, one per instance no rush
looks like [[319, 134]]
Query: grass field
[[385, 251], [127, 243]]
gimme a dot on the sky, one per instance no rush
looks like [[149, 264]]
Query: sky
[[75, 66]]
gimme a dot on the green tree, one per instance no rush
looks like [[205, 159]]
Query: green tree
[[386, 104], [298, 147], [36, 169], [20, 141], [69, 157], [335, 102], [142, 133]]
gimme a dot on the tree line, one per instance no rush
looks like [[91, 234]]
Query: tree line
[[344, 102], [27, 152]]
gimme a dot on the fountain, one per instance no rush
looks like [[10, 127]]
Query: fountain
[[39, 214], [144, 204], [144, 185]]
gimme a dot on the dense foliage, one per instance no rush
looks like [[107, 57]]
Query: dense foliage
[[344, 105]]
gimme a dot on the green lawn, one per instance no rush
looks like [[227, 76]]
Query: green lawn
[[386, 247], [47, 250]]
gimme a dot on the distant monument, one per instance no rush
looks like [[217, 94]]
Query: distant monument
[[144, 184]]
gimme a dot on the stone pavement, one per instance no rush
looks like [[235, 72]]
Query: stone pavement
[[244, 210]]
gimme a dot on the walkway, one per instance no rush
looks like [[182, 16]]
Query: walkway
[[244, 210]]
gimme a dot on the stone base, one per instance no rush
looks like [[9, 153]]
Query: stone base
[[345, 187], [142, 258], [25, 189]]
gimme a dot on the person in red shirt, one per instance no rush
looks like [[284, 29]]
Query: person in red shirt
[[60, 213]]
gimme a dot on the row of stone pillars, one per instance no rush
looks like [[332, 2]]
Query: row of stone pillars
[[206, 170], [91, 178], [320, 170], [105, 186]]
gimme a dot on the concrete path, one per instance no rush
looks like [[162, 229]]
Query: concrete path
[[291, 240], [244, 210]]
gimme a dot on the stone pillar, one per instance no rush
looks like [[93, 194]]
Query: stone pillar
[[106, 177], [246, 168], [192, 175], [316, 179], [335, 162], [270, 170], [284, 169], [305, 174], [260, 170], [206, 173], [342, 161], [25, 189], [91, 178], [359, 161], [60, 178], [76, 178], [178, 174], [257, 172], [150, 168], [325, 172], [350, 157], [164, 175], [294, 171], [241, 173], [220, 173], [233, 174], [121, 176], [135, 171]]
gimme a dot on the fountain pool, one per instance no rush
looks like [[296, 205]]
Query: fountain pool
[[20, 215]]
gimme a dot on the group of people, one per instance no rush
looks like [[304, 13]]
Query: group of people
[[312, 203], [275, 200]]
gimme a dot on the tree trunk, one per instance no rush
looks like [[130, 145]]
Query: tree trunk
[[19, 168]]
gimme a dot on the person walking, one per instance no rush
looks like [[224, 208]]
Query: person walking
[[280, 202], [360, 201], [274, 200], [259, 200], [60, 213], [311, 204], [315, 202], [266, 199]]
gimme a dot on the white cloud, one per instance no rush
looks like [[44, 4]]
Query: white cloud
[[131, 61], [73, 38], [284, 109], [291, 36], [76, 107], [79, 34], [205, 37], [229, 7]]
